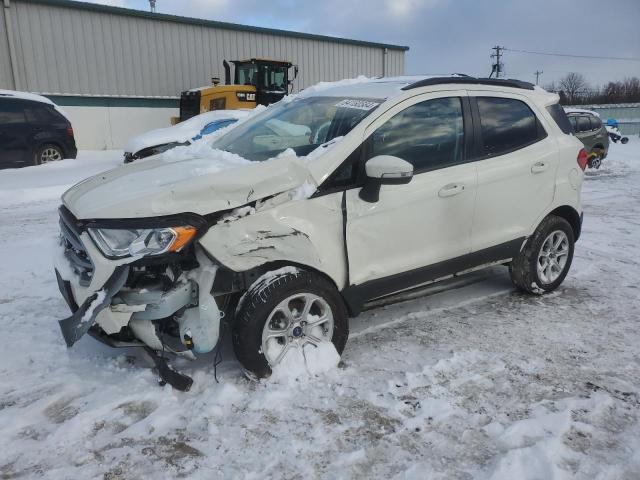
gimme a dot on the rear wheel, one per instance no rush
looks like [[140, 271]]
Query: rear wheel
[[47, 153], [287, 311], [544, 262]]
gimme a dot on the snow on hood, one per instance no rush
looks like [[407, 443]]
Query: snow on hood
[[34, 98], [186, 130], [165, 186]]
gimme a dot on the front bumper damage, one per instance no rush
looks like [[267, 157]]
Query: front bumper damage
[[125, 303]]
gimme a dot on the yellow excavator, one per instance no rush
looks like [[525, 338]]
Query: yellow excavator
[[256, 81]]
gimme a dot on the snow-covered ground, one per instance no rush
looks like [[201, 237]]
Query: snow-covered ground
[[477, 381]]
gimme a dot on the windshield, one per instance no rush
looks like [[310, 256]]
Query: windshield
[[302, 125]]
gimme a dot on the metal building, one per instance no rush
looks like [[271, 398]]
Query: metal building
[[75, 49], [119, 72]]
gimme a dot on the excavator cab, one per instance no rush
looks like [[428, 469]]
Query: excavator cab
[[255, 82]]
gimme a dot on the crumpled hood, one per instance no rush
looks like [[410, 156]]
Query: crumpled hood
[[159, 186]]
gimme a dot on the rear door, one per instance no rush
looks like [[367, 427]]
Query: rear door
[[15, 133], [516, 170], [427, 220]]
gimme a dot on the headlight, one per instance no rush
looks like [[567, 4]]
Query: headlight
[[143, 241]]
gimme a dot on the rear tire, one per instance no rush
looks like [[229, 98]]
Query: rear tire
[[596, 159], [48, 153], [543, 263], [265, 299]]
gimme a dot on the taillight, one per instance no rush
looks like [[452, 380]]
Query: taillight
[[70, 131], [583, 159]]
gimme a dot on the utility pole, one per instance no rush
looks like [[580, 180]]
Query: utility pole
[[497, 67], [537, 74]]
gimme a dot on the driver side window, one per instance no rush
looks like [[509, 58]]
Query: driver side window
[[429, 135]]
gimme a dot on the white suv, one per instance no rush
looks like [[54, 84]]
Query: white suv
[[322, 203]]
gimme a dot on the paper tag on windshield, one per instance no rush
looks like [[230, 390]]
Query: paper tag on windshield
[[359, 104]]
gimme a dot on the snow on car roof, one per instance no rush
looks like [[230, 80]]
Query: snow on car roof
[[581, 110], [32, 97], [362, 87], [387, 87]]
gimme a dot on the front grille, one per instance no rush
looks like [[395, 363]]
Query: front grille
[[74, 249]]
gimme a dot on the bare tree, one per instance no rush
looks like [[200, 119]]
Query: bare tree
[[573, 84]]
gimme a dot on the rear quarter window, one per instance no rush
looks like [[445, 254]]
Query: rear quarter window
[[560, 117], [43, 113]]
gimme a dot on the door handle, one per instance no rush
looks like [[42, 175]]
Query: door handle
[[539, 167], [451, 190]]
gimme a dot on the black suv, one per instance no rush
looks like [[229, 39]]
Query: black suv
[[32, 132]]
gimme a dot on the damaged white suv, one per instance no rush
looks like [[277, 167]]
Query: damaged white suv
[[324, 202]]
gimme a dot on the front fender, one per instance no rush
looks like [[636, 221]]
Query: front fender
[[303, 232]]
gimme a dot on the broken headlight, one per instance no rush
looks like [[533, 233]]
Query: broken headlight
[[118, 243]]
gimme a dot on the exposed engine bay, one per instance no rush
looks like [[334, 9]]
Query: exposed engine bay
[[165, 304]]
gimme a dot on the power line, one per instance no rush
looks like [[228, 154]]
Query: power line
[[593, 57]]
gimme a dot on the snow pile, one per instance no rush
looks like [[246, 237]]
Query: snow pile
[[306, 362], [303, 191], [321, 86], [45, 183], [201, 149]]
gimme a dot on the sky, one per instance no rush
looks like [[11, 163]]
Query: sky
[[454, 36]]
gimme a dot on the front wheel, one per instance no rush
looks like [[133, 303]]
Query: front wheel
[[544, 262], [287, 310]]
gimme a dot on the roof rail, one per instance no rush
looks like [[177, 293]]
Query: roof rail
[[498, 82]]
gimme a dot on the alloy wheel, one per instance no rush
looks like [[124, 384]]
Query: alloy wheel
[[552, 258], [299, 320], [50, 154]]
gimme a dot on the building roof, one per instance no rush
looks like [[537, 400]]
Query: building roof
[[209, 23]]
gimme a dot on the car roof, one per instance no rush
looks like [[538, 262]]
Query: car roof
[[31, 97], [580, 111], [361, 87], [387, 87]]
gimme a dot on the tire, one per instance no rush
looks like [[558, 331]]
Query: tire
[[524, 270], [47, 153], [264, 300], [595, 160]]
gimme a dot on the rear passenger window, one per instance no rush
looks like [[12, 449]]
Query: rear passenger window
[[429, 135], [507, 125], [574, 123], [596, 123], [11, 113]]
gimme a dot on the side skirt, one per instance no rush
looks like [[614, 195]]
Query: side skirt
[[357, 295]]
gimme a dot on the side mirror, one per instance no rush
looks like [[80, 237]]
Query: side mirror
[[384, 170]]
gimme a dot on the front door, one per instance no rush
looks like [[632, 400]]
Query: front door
[[423, 222]]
